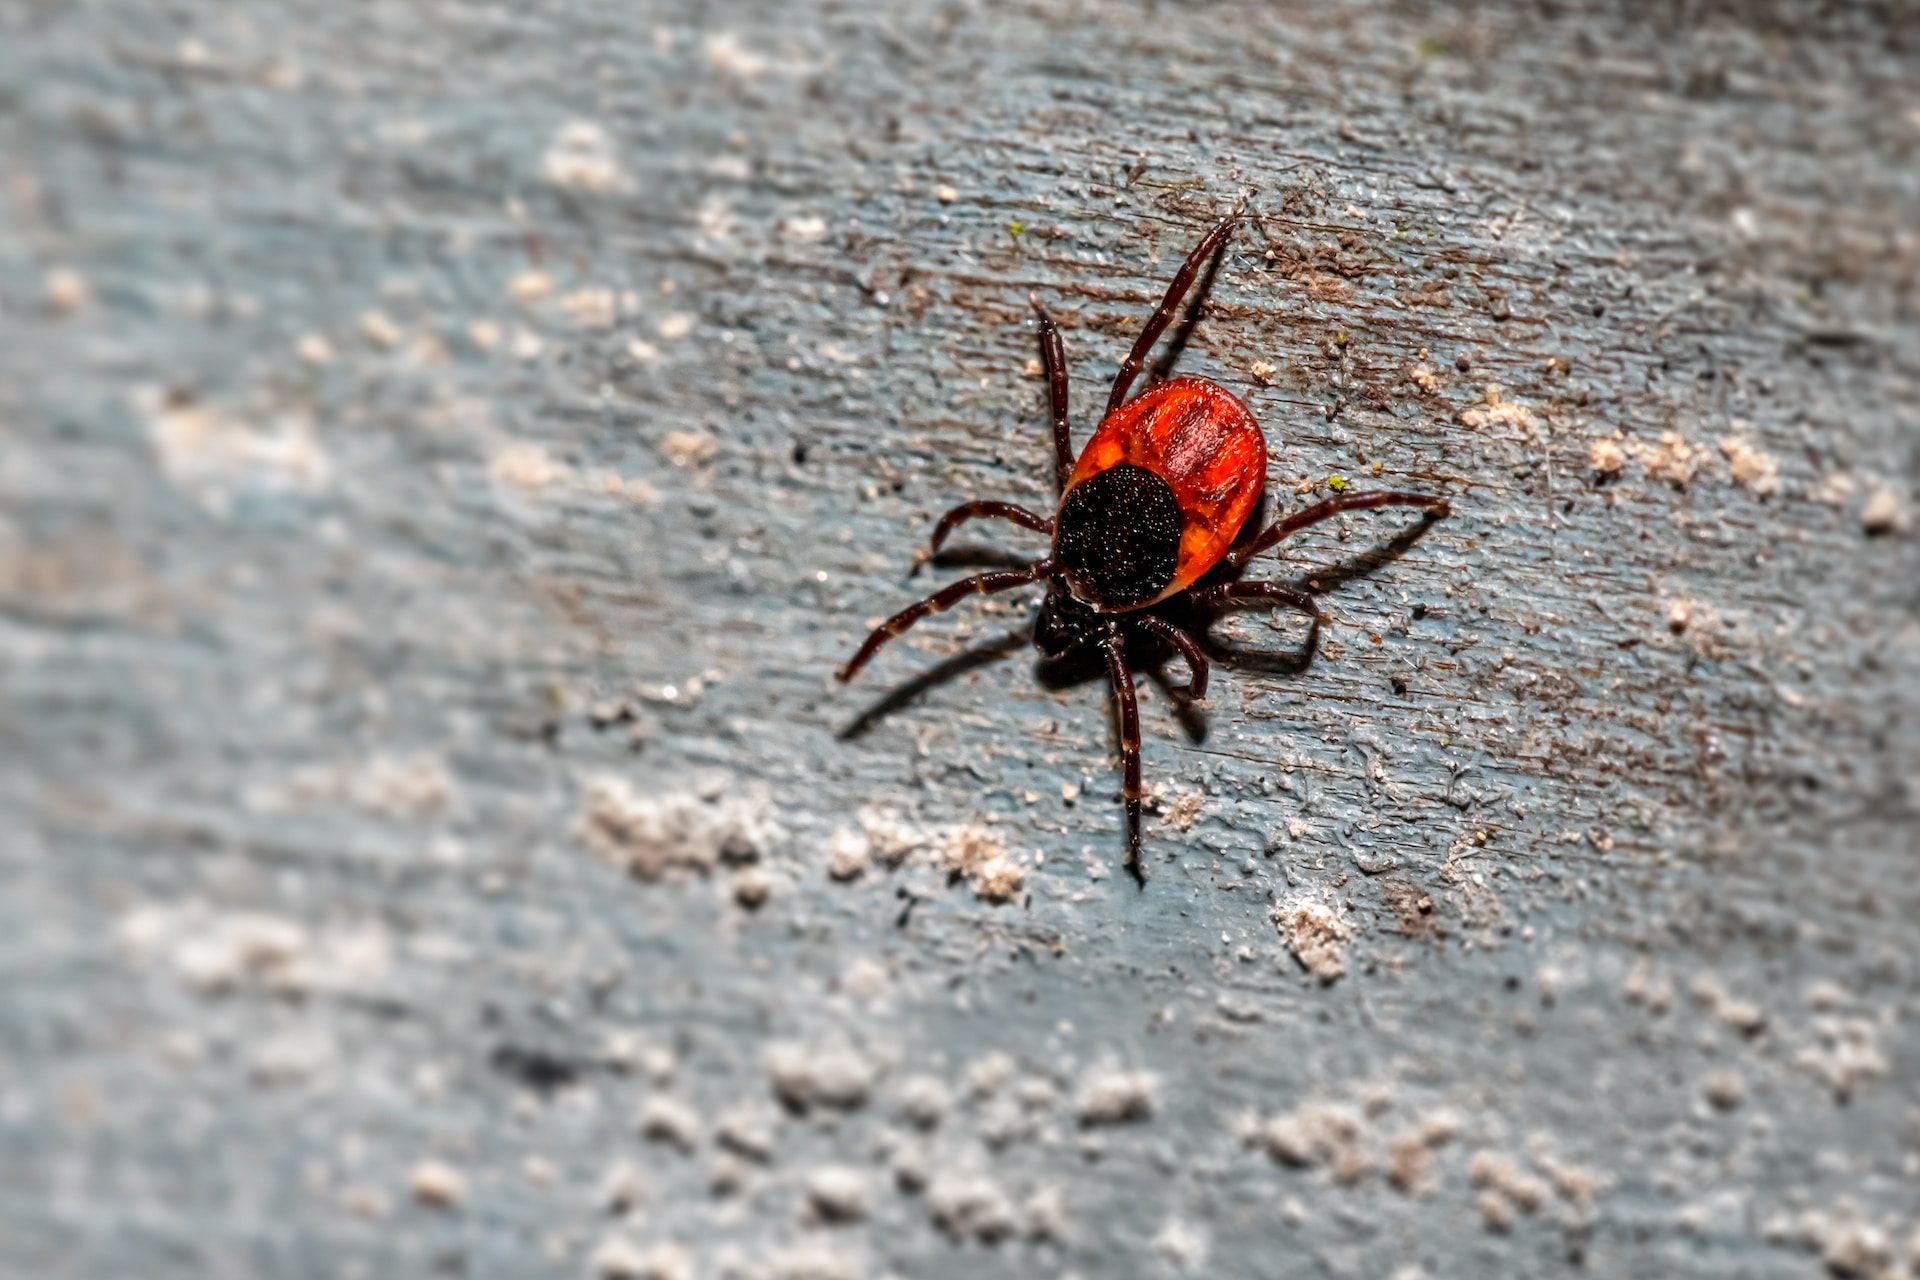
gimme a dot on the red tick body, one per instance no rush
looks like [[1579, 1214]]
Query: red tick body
[[1199, 438], [1150, 508]]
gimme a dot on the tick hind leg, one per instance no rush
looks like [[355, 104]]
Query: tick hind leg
[[1196, 687], [988, 509], [939, 602], [1122, 676], [1436, 509], [1169, 307], [1211, 597]]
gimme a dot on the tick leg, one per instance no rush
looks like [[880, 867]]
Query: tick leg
[[1437, 509], [1054, 357], [1196, 664], [1122, 676], [991, 510], [1169, 306], [1206, 597], [939, 602]]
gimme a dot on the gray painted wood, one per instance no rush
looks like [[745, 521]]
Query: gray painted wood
[[447, 450]]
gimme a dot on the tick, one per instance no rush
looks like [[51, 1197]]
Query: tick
[[1149, 514]]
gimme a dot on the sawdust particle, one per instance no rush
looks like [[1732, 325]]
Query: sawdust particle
[[1317, 1135], [1674, 459], [1502, 1174], [923, 1101], [804, 1078], [66, 291], [836, 1193], [975, 852], [591, 308], [1884, 512], [1315, 933], [1500, 411], [1752, 467], [1108, 1096], [670, 1121], [688, 448], [438, 1185], [1723, 1089], [970, 1205], [530, 288], [650, 836], [380, 330], [580, 158], [527, 466], [846, 854]]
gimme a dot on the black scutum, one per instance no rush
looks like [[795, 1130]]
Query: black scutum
[[1119, 536]]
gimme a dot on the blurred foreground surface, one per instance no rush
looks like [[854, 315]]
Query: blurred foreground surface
[[445, 450]]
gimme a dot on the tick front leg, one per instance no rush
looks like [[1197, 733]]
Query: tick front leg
[[1122, 676], [939, 602], [1437, 509], [988, 509], [1196, 662], [1169, 307], [1208, 597], [1054, 357]]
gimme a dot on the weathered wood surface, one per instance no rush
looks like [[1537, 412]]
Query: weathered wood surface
[[441, 441]]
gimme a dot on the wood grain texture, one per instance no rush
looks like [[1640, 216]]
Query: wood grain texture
[[446, 451]]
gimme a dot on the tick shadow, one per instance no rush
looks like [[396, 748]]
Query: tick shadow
[[1363, 564], [905, 694], [964, 557]]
